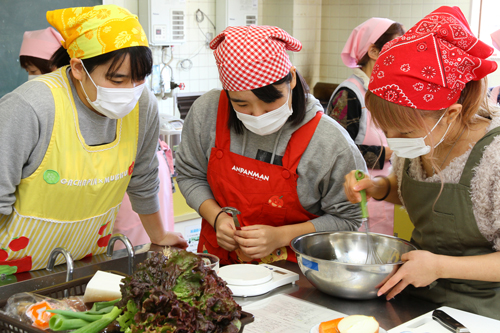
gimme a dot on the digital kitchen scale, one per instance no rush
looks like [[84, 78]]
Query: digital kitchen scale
[[253, 280]]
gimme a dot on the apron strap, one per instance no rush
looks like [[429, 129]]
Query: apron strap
[[299, 141], [223, 133], [475, 156]]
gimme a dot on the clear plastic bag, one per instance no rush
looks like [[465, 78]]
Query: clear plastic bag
[[30, 308]]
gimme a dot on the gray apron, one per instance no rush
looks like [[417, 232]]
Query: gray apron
[[451, 230]]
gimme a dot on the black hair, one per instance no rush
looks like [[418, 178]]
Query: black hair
[[394, 30], [42, 64], [141, 61], [270, 93]]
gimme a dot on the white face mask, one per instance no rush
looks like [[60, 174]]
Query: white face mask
[[414, 147], [268, 123], [31, 77], [114, 103]]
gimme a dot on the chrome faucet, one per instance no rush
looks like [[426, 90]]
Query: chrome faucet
[[69, 264], [128, 246]]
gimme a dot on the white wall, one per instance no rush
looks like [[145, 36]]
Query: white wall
[[203, 76], [322, 26], [341, 16]]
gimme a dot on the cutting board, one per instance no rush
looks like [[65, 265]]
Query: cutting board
[[425, 323]]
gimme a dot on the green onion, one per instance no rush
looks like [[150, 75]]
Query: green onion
[[77, 315], [59, 322], [101, 311], [98, 306], [100, 324]]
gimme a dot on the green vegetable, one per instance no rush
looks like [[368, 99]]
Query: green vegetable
[[101, 306], [99, 325], [177, 294], [68, 320], [78, 315], [59, 322], [127, 318]]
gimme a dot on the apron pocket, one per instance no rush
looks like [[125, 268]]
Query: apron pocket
[[450, 243], [273, 216]]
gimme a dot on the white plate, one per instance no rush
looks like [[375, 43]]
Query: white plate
[[245, 274], [315, 329]]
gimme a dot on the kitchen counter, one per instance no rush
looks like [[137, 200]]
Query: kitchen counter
[[389, 314]]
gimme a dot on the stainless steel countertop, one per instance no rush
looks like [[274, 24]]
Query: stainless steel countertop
[[388, 314]]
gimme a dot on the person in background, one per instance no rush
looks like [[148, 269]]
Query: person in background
[[129, 223], [263, 146], [347, 106], [428, 94], [74, 140], [494, 92], [37, 49]]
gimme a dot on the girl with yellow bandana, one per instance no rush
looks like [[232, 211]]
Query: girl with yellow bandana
[[73, 141]]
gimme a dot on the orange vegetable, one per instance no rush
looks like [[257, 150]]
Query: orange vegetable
[[329, 326], [37, 312]]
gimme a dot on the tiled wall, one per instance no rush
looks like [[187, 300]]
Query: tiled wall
[[203, 75], [278, 13], [339, 17], [301, 19], [307, 29], [322, 26]]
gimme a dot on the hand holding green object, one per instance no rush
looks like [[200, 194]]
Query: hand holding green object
[[364, 210]]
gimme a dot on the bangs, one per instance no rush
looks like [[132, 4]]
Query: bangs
[[387, 115], [42, 64], [141, 62]]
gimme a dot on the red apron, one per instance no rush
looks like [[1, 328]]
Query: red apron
[[264, 193]]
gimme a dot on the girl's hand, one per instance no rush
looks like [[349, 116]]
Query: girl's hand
[[225, 232], [420, 268], [257, 241], [352, 187], [174, 239]]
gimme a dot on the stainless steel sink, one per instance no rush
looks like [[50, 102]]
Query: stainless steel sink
[[31, 281]]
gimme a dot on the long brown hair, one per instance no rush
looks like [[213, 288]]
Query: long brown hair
[[474, 101]]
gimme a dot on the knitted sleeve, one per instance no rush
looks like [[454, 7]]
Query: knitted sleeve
[[485, 193]]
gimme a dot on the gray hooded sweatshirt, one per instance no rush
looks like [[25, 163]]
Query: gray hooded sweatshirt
[[330, 155]]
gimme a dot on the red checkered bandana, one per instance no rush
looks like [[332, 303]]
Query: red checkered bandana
[[250, 57], [427, 68]]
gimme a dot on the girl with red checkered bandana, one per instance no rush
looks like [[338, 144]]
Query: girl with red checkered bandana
[[263, 146]]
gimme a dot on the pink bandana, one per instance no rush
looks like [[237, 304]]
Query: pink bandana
[[428, 67], [41, 43], [495, 37], [250, 57], [361, 38]]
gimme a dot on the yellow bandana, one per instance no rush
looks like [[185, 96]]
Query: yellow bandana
[[92, 31]]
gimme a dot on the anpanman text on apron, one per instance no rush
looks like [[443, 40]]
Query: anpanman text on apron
[[264, 193]]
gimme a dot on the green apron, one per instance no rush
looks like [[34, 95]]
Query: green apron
[[451, 230]]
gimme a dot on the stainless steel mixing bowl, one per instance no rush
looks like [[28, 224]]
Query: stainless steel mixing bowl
[[334, 262]]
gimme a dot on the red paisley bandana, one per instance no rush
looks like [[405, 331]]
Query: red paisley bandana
[[250, 57], [428, 67]]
